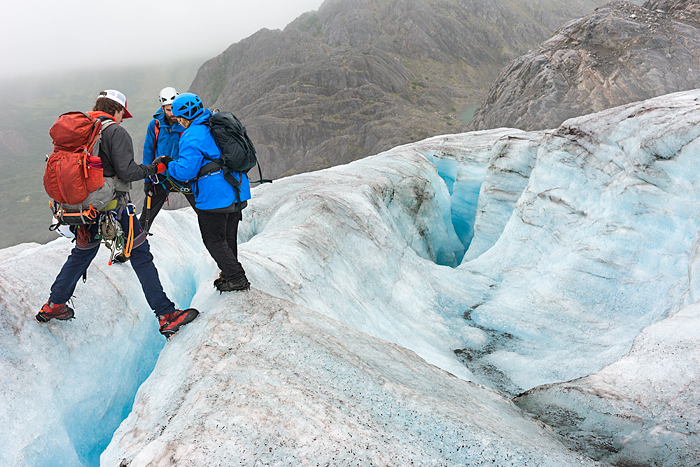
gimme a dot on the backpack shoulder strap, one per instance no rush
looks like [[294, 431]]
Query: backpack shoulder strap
[[96, 147], [156, 132], [106, 123]]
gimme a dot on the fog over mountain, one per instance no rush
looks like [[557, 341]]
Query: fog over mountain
[[41, 42], [354, 78], [618, 54], [360, 76]]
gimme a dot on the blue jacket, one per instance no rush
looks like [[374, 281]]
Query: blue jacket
[[168, 138], [212, 191]]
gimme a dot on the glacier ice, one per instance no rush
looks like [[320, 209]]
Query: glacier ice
[[597, 247], [404, 297], [267, 381], [67, 388], [640, 410]]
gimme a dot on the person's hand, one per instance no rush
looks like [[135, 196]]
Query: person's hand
[[163, 160], [161, 163]]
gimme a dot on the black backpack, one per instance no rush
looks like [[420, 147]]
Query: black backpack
[[237, 150]]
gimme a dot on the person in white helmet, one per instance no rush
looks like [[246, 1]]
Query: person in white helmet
[[162, 139]]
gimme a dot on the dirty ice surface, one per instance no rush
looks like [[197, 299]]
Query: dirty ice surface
[[398, 302]]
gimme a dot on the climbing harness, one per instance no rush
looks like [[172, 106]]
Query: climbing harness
[[112, 234]]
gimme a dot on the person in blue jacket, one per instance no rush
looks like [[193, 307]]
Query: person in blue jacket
[[162, 139], [217, 203]]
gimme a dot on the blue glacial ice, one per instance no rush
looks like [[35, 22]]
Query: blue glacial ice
[[398, 303]]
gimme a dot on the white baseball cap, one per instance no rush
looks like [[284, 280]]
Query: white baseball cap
[[117, 96]]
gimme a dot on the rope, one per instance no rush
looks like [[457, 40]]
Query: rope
[[82, 236]]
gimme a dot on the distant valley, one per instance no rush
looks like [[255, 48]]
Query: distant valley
[[29, 108]]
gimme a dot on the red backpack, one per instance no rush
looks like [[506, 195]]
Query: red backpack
[[74, 168]]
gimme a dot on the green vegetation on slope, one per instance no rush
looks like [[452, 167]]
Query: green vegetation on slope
[[27, 111]]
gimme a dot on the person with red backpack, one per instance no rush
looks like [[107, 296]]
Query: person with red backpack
[[162, 139], [116, 153]]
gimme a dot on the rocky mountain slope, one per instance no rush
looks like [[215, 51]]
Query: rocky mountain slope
[[618, 54], [360, 76]]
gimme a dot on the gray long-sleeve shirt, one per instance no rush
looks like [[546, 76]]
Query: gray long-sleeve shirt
[[117, 154]]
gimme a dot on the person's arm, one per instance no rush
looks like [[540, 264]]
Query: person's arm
[[122, 152], [187, 166]]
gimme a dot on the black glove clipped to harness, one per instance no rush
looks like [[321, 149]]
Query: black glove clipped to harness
[[148, 187]]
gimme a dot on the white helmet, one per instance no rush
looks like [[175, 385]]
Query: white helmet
[[167, 96]]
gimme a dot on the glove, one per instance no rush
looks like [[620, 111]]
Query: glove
[[161, 163], [148, 187], [163, 160]]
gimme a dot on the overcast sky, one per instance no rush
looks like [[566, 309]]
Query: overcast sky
[[40, 36]]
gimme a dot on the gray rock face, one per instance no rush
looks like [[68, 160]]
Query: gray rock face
[[620, 53], [361, 76]]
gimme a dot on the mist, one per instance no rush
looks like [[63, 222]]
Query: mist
[[52, 38], [57, 56]]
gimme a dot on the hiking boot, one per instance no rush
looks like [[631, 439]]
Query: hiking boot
[[170, 323], [218, 280], [54, 311], [229, 286]]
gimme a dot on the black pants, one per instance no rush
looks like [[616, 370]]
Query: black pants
[[220, 234], [160, 194]]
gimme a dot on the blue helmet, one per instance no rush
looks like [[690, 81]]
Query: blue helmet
[[187, 105]]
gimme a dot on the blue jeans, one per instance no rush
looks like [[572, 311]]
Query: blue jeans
[[141, 260]]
